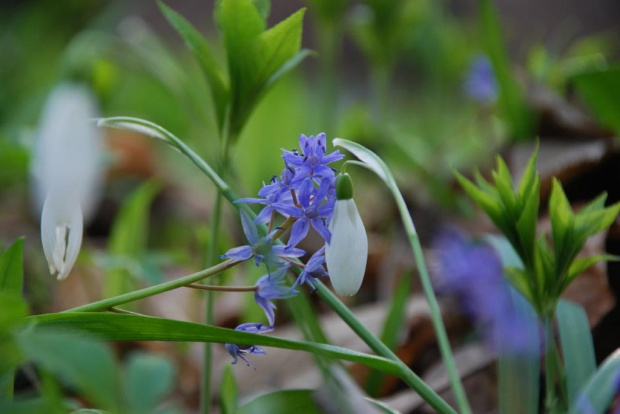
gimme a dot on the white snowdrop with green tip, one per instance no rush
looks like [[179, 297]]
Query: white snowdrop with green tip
[[347, 252]]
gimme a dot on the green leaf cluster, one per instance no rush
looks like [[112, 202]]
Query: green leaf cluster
[[547, 269], [256, 56]]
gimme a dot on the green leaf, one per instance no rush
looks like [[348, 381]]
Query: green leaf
[[381, 406], [519, 374], [503, 183], [282, 402], [120, 327], [229, 398], [511, 99], [582, 264], [87, 365], [577, 347], [262, 58], [263, 7], [598, 393], [149, 379], [562, 223], [530, 176], [201, 50], [128, 238], [12, 270], [601, 92], [392, 329], [27, 406], [526, 225]]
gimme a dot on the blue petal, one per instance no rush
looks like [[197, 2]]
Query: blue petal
[[322, 229], [249, 228], [305, 192], [298, 231], [239, 253]]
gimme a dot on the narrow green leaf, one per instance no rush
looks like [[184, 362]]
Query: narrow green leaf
[[12, 269], [526, 226], [27, 406], [577, 347], [511, 98], [87, 365], [528, 180], [600, 91], [149, 379], [288, 66], [598, 393], [582, 264], [503, 183], [562, 223], [282, 402], [489, 204], [592, 222], [201, 50], [381, 406], [229, 398], [392, 329], [120, 327]]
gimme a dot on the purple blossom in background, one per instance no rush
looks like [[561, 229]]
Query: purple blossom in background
[[270, 287], [480, 84], [241, 351], [473, 272], [314, 268], [261, 248]]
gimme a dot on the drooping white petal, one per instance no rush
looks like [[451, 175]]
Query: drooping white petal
[[347, 253], [66, 172], [68, 148], [61, 234]]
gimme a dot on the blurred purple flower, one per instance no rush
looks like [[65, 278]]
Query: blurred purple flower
[[261, 248], [241, 351], [270, 287], [473, 272], [480, 84]]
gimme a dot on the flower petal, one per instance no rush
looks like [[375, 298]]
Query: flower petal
[[299, 231], [238, 253]]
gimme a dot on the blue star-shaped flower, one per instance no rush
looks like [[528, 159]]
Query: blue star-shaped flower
[[240, 351], [311, 210], [271, 286], [312, 160], [313, 269], [261, 248]]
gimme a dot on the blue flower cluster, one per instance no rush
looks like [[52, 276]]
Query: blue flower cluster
[[305, 194], [480, 84]]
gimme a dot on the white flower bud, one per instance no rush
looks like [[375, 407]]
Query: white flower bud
[[347, 252]]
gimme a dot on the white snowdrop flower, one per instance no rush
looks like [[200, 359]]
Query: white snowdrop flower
[[347, 252], [66, 172]]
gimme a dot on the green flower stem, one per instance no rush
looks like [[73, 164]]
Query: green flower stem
[[205, 389], [105, 304], [380, 348], [216, 288], [427, 287], [554, 403]]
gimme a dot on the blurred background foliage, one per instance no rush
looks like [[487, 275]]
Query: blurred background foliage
[[390, 74]]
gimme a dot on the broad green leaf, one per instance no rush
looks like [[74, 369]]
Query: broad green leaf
[[12, 270], [229, 398], [128, 238], [282, 402], [121, 327], [511, 98], [27, 406], [601, 92], [149, 379], [201, 50], [598, 393], [85, 364], [518, 373], [577, 347], [392, 329], [263, 58]]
